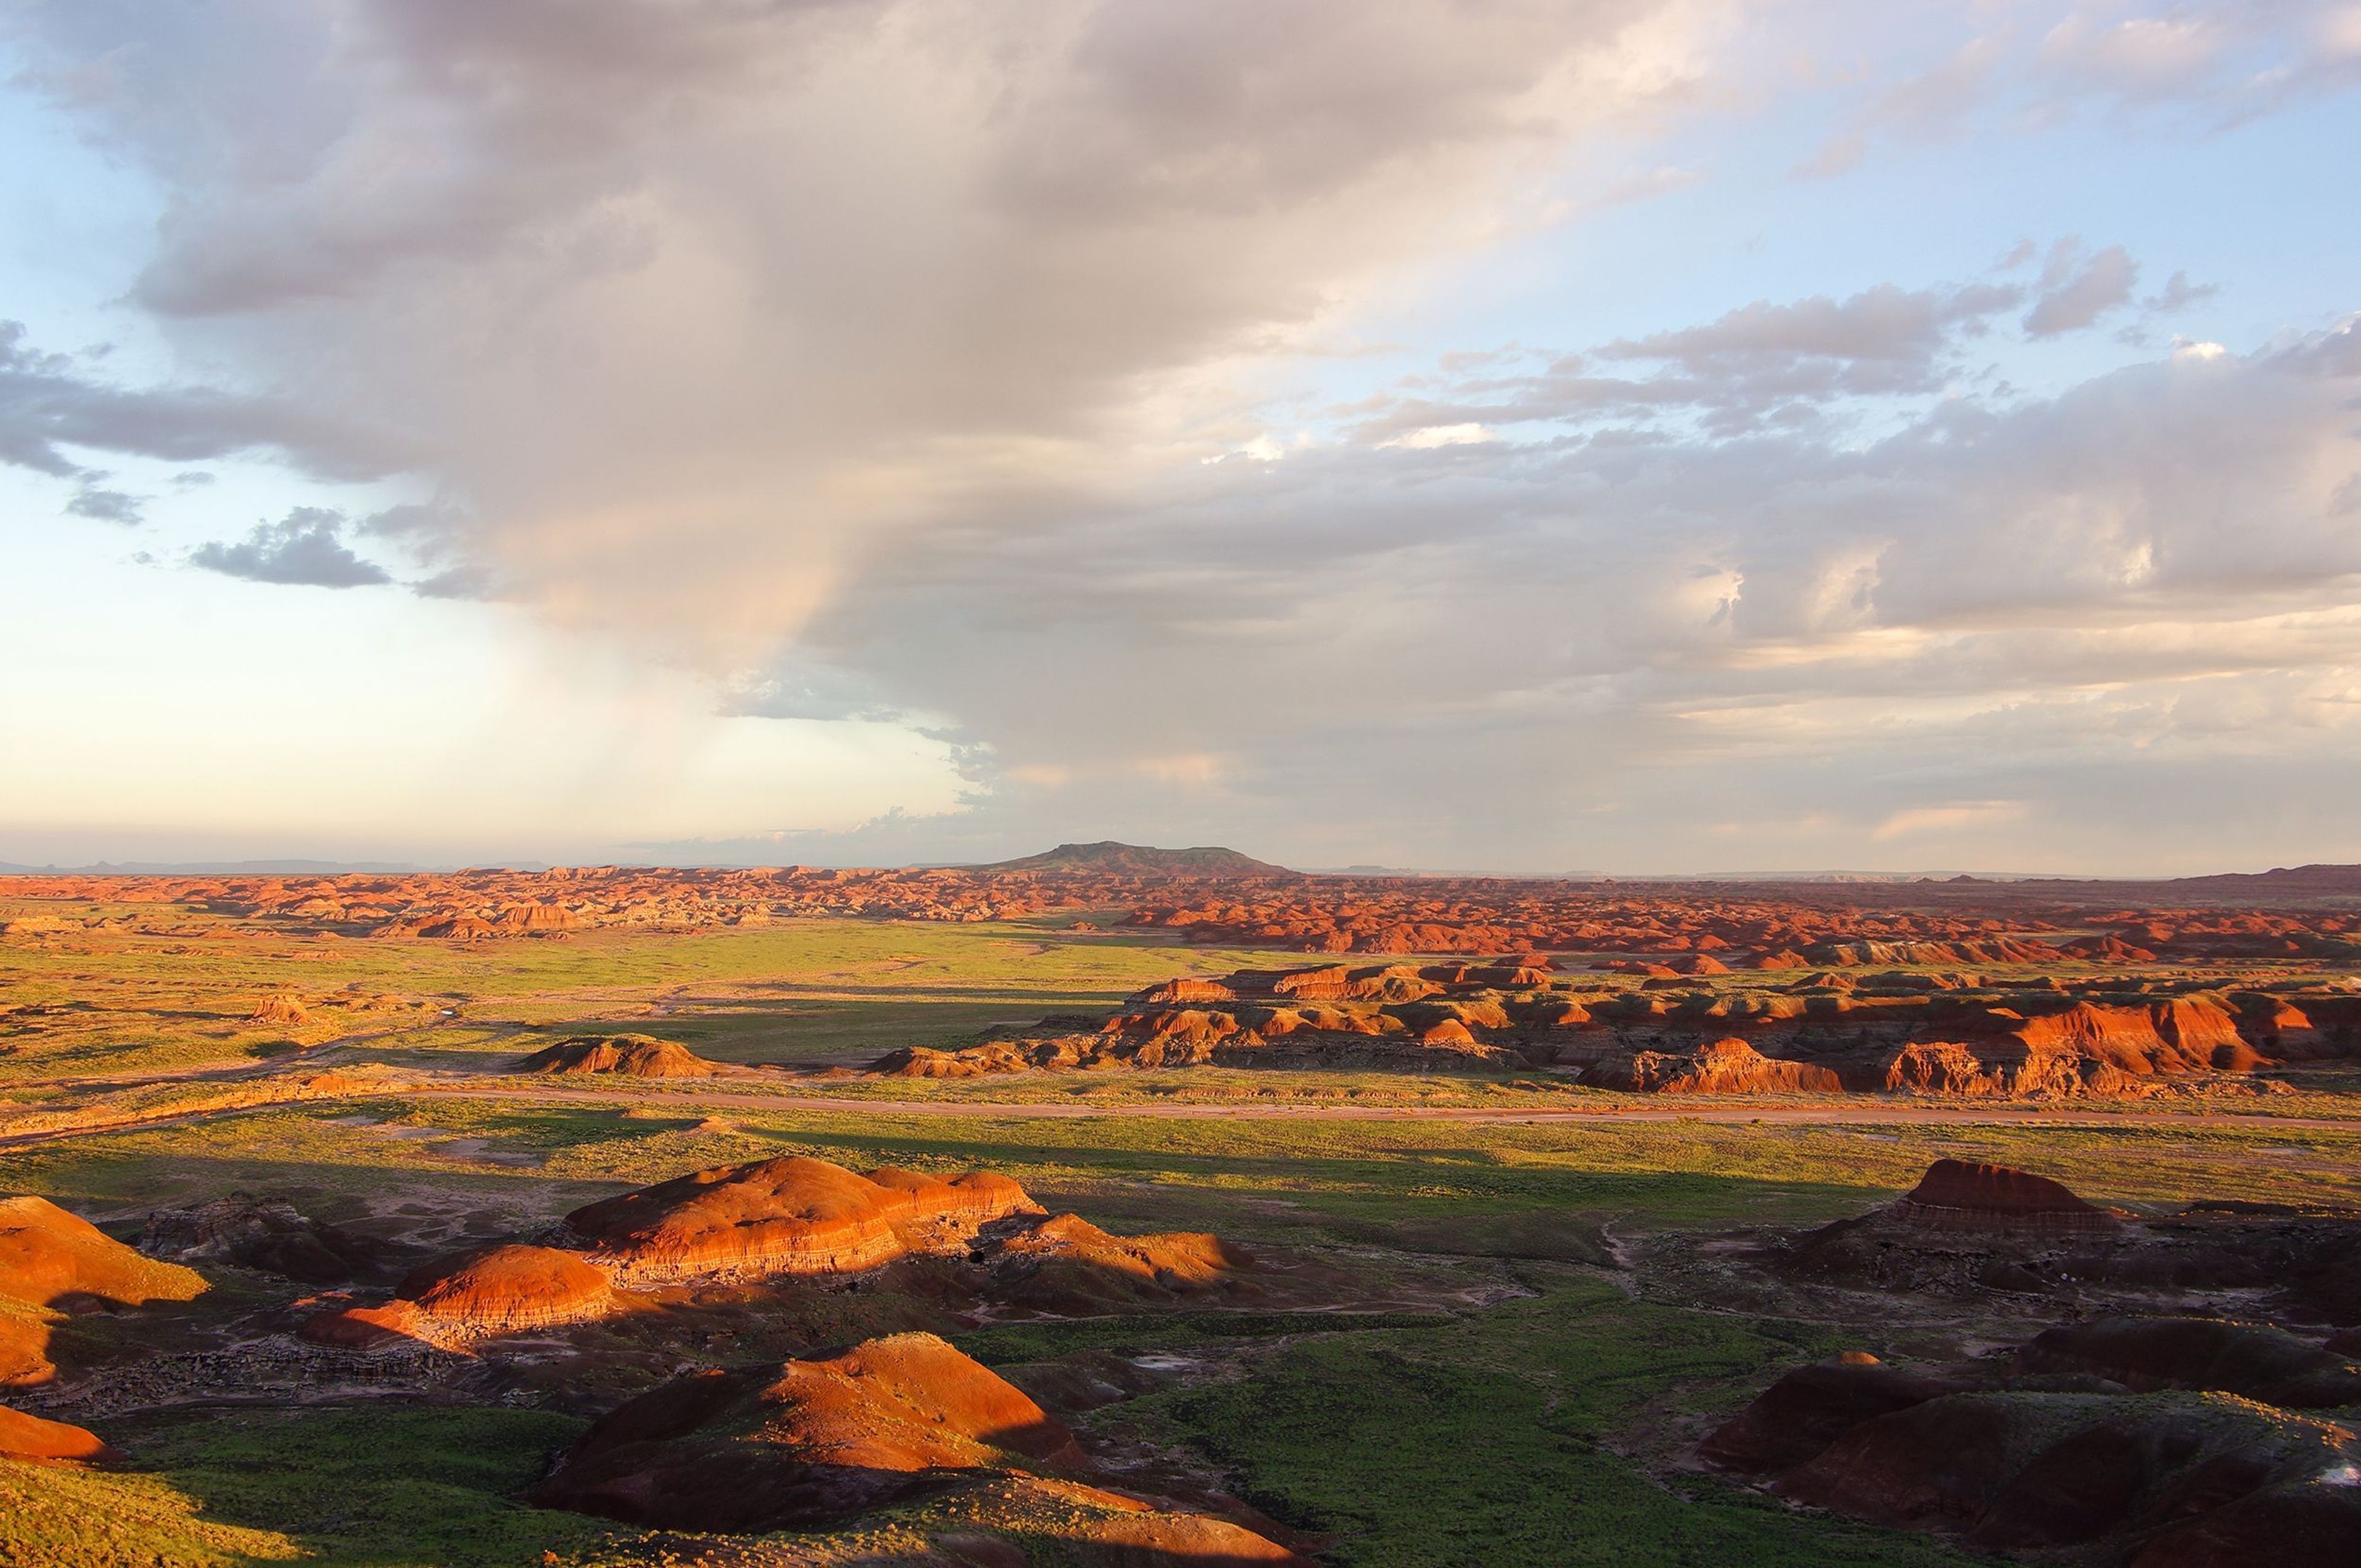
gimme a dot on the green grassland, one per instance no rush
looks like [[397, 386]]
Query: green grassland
[[174, 991]]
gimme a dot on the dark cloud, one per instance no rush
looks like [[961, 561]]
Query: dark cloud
[[48, 403], [697, 307], [303, 549]]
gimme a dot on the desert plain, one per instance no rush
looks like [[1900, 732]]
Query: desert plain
[[1119, 1206]]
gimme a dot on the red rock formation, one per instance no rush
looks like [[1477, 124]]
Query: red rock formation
[[1797, 1417], [279, 1008], [2313, 1524], [802, 1443], [485, 1292], [1067, 1265], [47, 1256], [269, 1237], [2022, 1471], [627, 1056], [2108, 950], [394, 1325], [785, 1216], [1140, 1537], [924, 1062], [1185, 992], [2044, 1468], [1898, 1033], [24, 1348], [499, 1289], [1957, 1195], [2252, 1360], [30, 1439], [51, 1259], [1723, 1066]]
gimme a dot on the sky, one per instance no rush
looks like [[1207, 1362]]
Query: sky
[[1625, 436]]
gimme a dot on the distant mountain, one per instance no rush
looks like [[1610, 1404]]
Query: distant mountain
[[1139, 859], [2310, 882]]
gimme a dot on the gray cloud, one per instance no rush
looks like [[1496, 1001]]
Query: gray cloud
[[2078, 286], [2178, 294], [47, 402], [1882, 323], [705, 305], [93, 500], [1481, 663], [1764, 366], [2198, 69], [1930, 106], [303, 549]]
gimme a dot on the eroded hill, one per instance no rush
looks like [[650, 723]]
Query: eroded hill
[[1827, 1031]]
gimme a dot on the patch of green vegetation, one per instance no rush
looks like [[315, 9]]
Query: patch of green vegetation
[[377, 1484], [172, 990], [1483, 1439], [52, 1517], [376, 1487], [1008, 1345], [1500, 1188]]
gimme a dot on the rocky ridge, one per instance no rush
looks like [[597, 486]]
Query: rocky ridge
[[1819, 1033], [623, 1055]]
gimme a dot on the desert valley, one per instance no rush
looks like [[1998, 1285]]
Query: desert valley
[[1122, 1206]]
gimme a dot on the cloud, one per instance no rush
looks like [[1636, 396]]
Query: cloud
[[303, 549], [1930, 106], [93, 500], [1428, 437], [1885, 324], [2193, 69], [1949, 817], [49, 403], [2078, 286], [867, 356], [1763, 365], [699, 310], [2234, 62], [2178, 294], [1462, 662], [1648, 184]]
